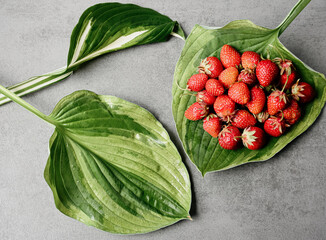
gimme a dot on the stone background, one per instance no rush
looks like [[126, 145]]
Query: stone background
[[283, 198]]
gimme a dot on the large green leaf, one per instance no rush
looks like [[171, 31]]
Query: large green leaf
[[203, 150], [101, 29], [112, 165]]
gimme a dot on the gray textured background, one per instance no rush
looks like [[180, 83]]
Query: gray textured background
[[283, 198]]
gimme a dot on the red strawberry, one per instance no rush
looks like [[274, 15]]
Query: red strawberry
[[274, 126], [267, 72], [247, 76], [204, 96], [224, 107], [214, 87], [292, 113], [285, 65], [212, 124], [229, 76], [253, 138], [211, 66], [303, 92], [230, 57], [262, 116], [289, 80], [276, 102], [196, 111], [243, 119], [229, 138], [250, 59], [197, 82], [240, 93], [257, 101]]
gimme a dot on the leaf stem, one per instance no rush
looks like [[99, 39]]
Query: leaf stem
[[36, 83], [26, 105], [301, 4]]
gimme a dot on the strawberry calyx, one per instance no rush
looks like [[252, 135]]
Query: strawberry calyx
[[204, 109], [204, 67], [247, 76], [276, 122], [296, 91], [210, 116], [248, 137], [226, 130], [248, 71], [282, 115], [285, 65], [239, 67], [291, 114], [228, 117], [262, 116], [212, 125], [204, 96], [280, 95], [196, 111]]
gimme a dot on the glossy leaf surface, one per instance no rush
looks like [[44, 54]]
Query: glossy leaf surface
[[104, 28], [113, 166], [203, 150]]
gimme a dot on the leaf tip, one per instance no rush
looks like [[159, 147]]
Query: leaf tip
[[203, 173], [178, 31]]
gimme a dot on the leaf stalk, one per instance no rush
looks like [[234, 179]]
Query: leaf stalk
[[301, 4], [26, 105]]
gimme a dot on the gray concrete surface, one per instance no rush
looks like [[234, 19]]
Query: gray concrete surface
[[283, 198]]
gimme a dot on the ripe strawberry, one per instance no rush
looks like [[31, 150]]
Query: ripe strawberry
[[303, 92], [257, 101], [230, 57], [253, 138], [274, 126], [197, 82], [267, 72], [229, 76], [229, 138], [292, 113], [214, 87], [262, 116], [224, 107], [240, 93], [250, 59], [285, 65], [211, 66], [247, 76], [212, 124], [289, 79], [196, 111], [276, 102], [243, 119], [204, 96]]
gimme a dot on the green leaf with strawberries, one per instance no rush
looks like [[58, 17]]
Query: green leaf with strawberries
[[203, 150]]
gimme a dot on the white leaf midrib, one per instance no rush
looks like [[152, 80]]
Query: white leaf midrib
[[118, 43]]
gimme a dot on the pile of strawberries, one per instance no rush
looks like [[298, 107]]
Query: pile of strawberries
[[243, 97]]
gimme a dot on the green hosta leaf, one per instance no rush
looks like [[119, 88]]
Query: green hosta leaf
[[105, 28], [203, 150], [112, 165]]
